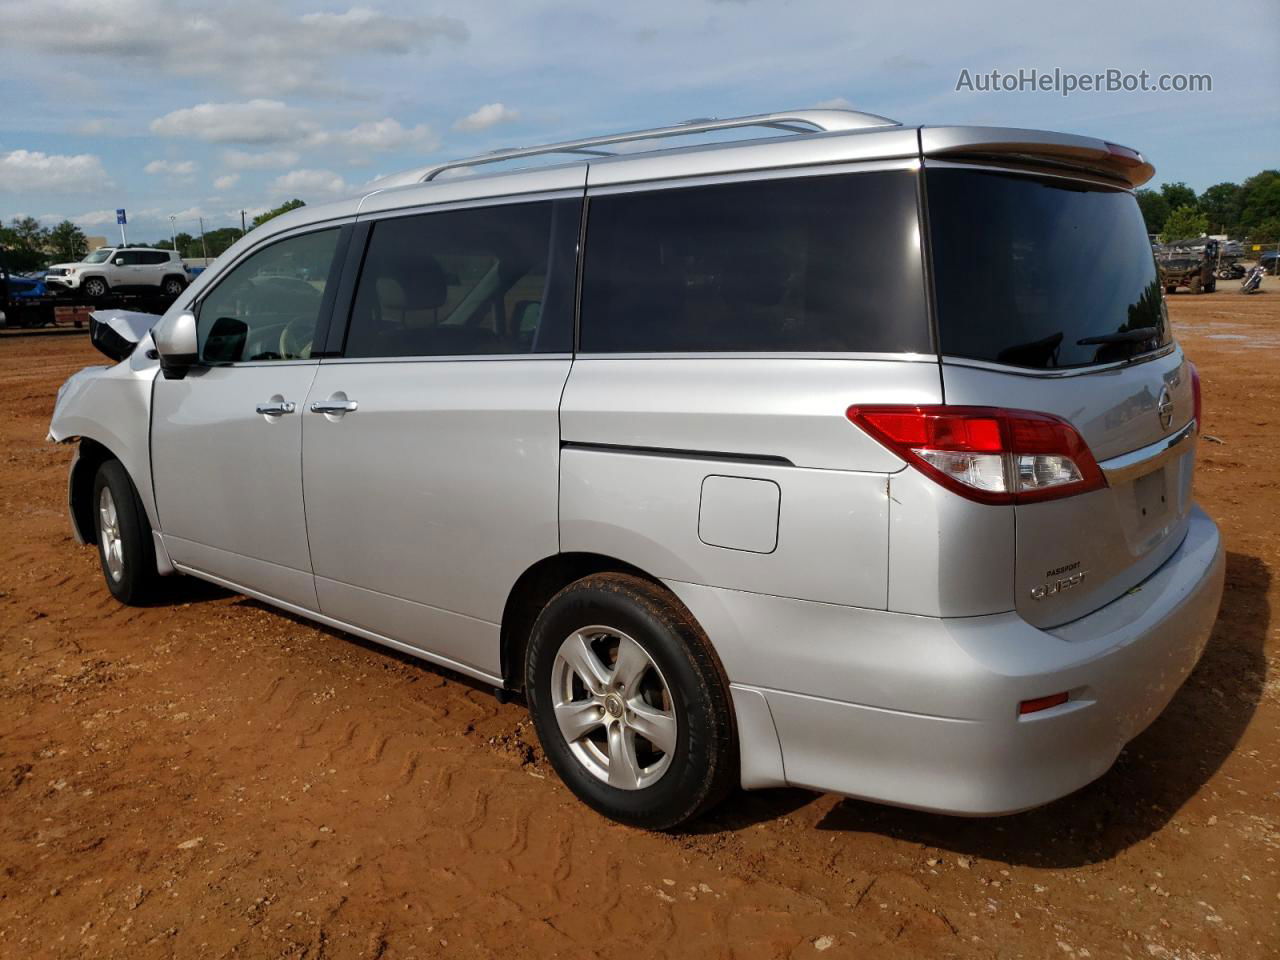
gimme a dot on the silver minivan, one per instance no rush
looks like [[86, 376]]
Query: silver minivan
[[855, 456]]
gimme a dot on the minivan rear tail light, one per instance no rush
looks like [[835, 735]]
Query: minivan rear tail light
[[1197, 405], [987, 454]]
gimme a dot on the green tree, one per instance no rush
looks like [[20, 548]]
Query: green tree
[[24, 241], [1259, 201], [218, 240], [186, 244], [1184, 223], [1221, 204], [1267, 232], [262, 218], [1155, 209], [67, 241], [1178, 194]]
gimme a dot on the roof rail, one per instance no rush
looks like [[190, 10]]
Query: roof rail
[[791, 121]]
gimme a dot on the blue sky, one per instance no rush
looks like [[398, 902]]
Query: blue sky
[[171, 108]]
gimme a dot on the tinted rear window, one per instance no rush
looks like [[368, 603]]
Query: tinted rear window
[[811, 264], [1025, 268]]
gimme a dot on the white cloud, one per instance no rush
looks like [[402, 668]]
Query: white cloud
[[95, 218], [256, 48], [835, 103], [226, 182], [304, 183], [379, 135], [255, 121], [274, 122], [363, 29], [23, 171], [265, 160], [92, 127], [172, 168], [490, 115], [191, 213]]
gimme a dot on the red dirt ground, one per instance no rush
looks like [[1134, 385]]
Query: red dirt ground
[[209, 778]]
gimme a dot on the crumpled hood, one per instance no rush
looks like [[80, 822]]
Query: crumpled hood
[[117, 332]]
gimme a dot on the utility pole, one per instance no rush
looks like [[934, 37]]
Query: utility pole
[[243, 231], [173, 232], [203, 248]]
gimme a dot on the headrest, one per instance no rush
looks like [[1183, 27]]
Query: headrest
[[423, 280]]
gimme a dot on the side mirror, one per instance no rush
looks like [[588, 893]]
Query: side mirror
[[119, 261], [175, 340]]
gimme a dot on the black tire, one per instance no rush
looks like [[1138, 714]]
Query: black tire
[[703, 767], [1169, 288], [172, 286], [95, 288], [134, 580], [1195, 285], [1211, 286]]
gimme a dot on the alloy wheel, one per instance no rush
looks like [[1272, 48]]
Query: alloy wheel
[[613, 707], [110, 541]]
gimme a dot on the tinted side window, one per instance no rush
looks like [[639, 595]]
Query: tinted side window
[[154, 257], [819, 263], [131, 258], [267, 306], [486, 280]]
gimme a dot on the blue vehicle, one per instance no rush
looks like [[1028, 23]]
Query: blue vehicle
[[23, 286]]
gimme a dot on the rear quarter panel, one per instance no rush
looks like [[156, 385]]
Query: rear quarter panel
[[643, 435]]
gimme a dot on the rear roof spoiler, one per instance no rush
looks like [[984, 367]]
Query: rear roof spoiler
[[1039, 148]]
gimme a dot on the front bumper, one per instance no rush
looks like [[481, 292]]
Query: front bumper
[[923, 712], [64, 282]]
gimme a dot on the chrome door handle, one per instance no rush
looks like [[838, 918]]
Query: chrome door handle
[[275, 409], [334, 406]]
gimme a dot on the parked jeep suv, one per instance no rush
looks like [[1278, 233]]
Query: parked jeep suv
[[733, 462], [121, 269]]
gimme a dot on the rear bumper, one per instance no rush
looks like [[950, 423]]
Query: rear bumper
[[923, 712]]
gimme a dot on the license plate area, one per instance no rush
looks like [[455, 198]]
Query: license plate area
[[1153, 509]]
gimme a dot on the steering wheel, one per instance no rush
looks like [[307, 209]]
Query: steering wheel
[[295, 338]]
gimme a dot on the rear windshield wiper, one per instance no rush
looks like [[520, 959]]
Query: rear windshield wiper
[[1136, 335]]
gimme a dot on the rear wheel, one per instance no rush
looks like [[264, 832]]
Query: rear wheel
[[94, 288], [125, 549], [1170, 288], [1195, 286], [629, 702]]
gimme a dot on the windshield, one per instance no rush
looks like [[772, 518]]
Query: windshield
[[1042, 273], [98, 256]]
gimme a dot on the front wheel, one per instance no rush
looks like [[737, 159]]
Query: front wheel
[[629, 702], [125, 548], [94, 288], [171, 287]]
